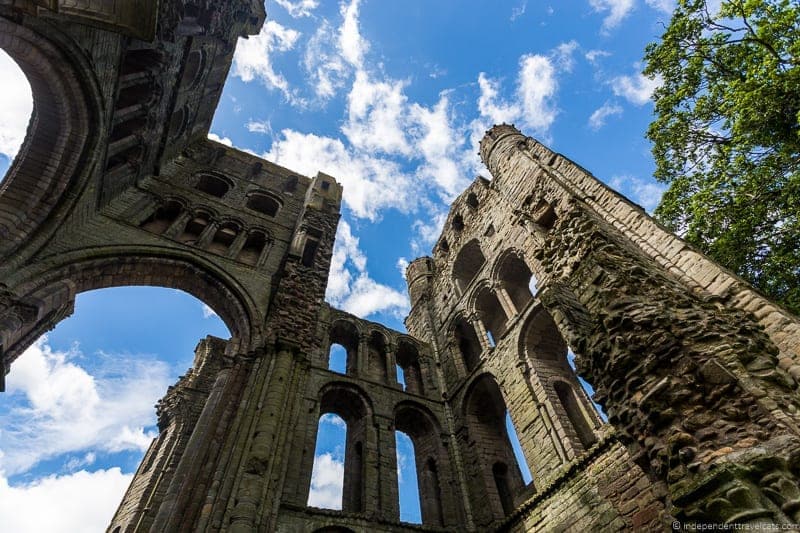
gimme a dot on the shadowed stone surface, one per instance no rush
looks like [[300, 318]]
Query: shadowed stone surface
[[117, 184]]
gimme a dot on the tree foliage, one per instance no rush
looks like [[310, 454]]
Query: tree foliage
[[726, 136]]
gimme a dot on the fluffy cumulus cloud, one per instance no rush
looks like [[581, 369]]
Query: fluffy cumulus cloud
[[79, 502], [615, 11], [533, 105], [349, 285], [646, 193], [637, 89], [57, 407], [371, 183], [15, 113], [598, 119], [376, 115], [222, 140], [253, 57], [351, 42], [298, 8], [327, 478]]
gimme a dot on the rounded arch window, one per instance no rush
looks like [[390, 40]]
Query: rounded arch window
[[179, 122], [458, 223], [472, 200], [213, 185], [468, 263], [263, 203], [193, 70]]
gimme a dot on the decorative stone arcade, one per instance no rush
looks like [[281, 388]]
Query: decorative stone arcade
[[117, 184]]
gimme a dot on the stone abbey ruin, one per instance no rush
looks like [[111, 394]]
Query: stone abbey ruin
[[117, 184]]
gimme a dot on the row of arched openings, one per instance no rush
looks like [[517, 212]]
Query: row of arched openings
[[198, 227], [260, 201], [370, 357], [343, 427], [493, 304]]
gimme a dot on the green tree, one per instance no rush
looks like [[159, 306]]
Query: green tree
[[726, 136]]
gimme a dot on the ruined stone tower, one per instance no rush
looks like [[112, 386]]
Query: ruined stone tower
[[116, 184]]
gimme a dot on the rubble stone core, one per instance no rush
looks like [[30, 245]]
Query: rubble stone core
[[117, 184]]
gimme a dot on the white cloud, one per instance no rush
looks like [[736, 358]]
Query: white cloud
[[375, 119], [334, 420], [16, 106], [353, 46], [598, 118], [665, 6], [439, 144], [298, 8], [223, 140], [208, 312], [327, 479], [75, 503], [370, 183], [537, 90], [426, 232], [253, 57], [324, 63], [349, 285], [59, 407], [646, 193], [563, 55], [616, 11], [593, 55], [259, 126], [402, 265], [637, 89], [519, 10]]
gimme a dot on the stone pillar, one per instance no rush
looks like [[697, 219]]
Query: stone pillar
[[505, 300], [388, 495], [391, 366], [257, 461], [237, 244], [483, 336], [176, 227]]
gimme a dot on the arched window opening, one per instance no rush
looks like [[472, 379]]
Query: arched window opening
[[486, 417], [500, 474], [179, 122], [290, 185], [544, 214], [327, 474], [469, 346], [345, 335], [407, 482], [401, 378], [585, 385], [193, 71], [213, 185], [223, 238], [458, 223], [543, 340], [376, 357], [491, 313], [163, 217], [421, 501], [94, 359], [515, 277], [444, 246], [571, 405], [263, 203], [472, 200], [253, 248], [522, 463], [408, 359], [467, 265], [194, 228], [310, 247], [347, 432]]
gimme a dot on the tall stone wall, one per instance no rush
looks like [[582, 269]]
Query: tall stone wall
[[539, 272]]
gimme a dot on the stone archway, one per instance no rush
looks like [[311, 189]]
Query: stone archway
[[55, 156]]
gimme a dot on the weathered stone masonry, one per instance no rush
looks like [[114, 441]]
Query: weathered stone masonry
[[116, 184]]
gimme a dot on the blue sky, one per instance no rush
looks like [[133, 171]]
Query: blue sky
[[388, 97]]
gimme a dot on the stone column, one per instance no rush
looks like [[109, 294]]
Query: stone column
[[388, 496]]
